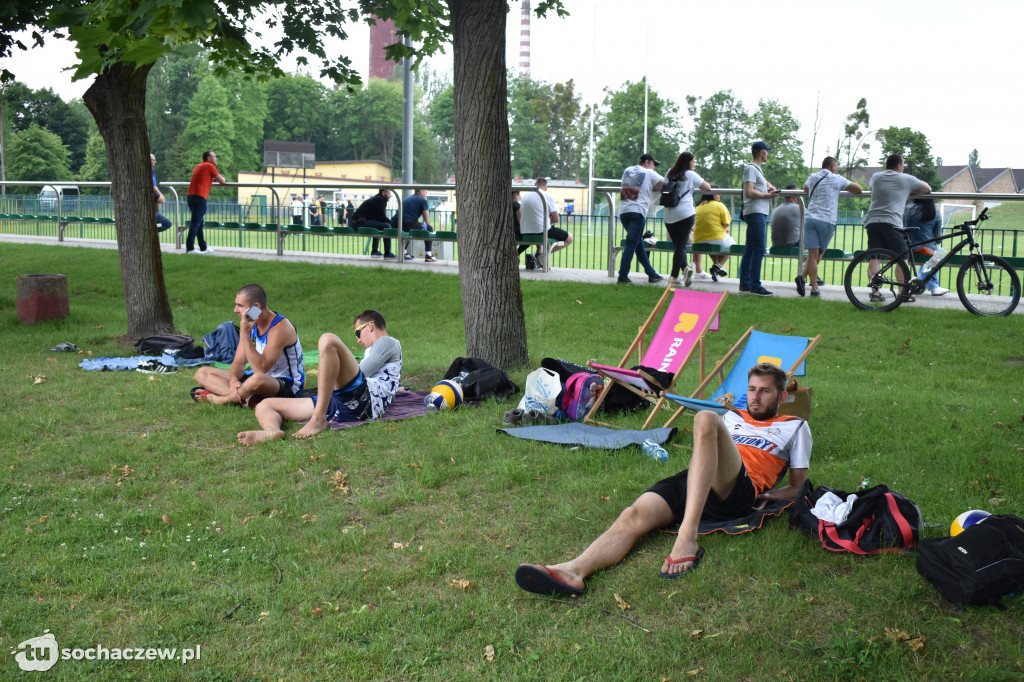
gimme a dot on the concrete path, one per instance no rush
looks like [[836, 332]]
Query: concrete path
[[780, 289]]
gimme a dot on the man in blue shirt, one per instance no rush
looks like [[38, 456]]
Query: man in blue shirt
[[414, 208]]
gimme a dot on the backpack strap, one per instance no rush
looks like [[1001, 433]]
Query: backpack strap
[[814, 188], [901, 521]]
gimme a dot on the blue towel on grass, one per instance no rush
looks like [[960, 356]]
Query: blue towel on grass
[[577, 433]]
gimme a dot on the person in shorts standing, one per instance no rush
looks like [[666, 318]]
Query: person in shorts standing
[[820, 219], [890, 190]]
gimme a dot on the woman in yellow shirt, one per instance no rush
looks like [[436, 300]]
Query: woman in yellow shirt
[[712, 227]]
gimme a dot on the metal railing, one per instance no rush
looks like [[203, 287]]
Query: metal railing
[[594, 248]]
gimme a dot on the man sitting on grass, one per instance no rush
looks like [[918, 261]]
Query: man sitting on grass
[[736, 460], [346, 391], [269, 344]]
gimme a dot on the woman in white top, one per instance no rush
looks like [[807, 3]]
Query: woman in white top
[[679, 218]]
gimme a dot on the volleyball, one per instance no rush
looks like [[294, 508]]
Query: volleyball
[[445, 395], [966, 520]]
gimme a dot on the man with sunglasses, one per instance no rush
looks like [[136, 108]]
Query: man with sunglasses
[[347, 390]]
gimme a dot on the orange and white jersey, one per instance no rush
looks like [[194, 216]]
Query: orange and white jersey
[[768, 446]]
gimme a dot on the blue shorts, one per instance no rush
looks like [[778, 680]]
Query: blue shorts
[[351, 403], [284, 385], [817, 233]]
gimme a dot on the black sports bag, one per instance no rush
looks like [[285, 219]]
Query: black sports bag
[[978, 566]]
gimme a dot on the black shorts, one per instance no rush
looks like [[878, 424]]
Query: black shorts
[[739, 502], [558, 233], [885, 236], [284, 386]]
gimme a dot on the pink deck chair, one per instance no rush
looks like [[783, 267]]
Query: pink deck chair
[[688, 315]]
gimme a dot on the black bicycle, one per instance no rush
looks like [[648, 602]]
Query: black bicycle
[[880, 280]]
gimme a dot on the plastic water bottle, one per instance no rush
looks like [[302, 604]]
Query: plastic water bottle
[[938, 255], [654, 451]]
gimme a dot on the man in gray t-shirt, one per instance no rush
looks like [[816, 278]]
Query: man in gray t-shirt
[[786, 222], [890, 190]]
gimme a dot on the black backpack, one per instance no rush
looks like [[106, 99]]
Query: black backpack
[[156, 345], [483, 380], [881, 520], [668, 194], [978, 566]]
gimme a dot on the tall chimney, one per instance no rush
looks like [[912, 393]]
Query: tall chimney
[[524, 42], [382, 34]]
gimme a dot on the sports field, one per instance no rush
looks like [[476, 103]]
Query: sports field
[[132, 518]]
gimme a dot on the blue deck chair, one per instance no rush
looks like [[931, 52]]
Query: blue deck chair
[[784, 351]]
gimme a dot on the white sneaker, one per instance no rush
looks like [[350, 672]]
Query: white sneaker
[[688, 275], [651, 241], [939, 291], [701, 275], [208, 249], [674, 281]]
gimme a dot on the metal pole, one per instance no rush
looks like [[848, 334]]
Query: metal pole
[[407, 177]]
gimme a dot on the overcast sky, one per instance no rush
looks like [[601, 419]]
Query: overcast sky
[[941, 67]]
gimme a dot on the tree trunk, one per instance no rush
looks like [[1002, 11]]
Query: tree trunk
[[117, 100], [492, 300]]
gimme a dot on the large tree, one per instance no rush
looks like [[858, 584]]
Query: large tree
[[720, 141], [852, 148], [37, 154], [620, 125], [119, 41], [915, 149], [775, 124]]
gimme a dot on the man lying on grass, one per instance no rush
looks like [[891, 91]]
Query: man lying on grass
[[736, 460], [346, 391]]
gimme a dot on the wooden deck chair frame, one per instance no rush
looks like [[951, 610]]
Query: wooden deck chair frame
[[637, 347], [718, 370]]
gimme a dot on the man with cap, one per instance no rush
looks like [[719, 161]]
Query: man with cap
[[639, 183], [757, 196]]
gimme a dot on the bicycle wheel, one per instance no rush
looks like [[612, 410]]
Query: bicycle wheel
[[988, 286], [882, 291]]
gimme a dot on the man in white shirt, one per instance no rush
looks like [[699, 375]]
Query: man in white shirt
[[532, 209], [737, 459], [639, 183], [820, 218]]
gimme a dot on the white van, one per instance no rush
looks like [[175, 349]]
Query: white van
[[69, 194]]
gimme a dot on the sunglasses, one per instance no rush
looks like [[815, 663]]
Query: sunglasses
[[359, 329]]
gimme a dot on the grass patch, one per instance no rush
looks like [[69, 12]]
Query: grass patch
[[331, 558]]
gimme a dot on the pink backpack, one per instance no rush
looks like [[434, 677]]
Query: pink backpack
[[581, 390]]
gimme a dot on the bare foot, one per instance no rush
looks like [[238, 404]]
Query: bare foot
[[312, 427], [253, 437], [686, 548], [219, 399]]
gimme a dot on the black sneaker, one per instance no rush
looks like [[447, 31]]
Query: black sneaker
[[718, 270], [760, 291], [654, 278], [624, 280], [531, 262], [376, 254], [820, 281], [390, 256], [155, 367], [800, 288]]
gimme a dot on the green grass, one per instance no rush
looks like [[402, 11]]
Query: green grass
[[280, 573]]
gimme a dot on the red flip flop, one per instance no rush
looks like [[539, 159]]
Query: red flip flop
[[672, 562], [199, 394], [543, 581]]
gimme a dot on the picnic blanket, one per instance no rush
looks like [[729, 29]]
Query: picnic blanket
[[114, 362], [745, 524], [406, 405], [587, 435]]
